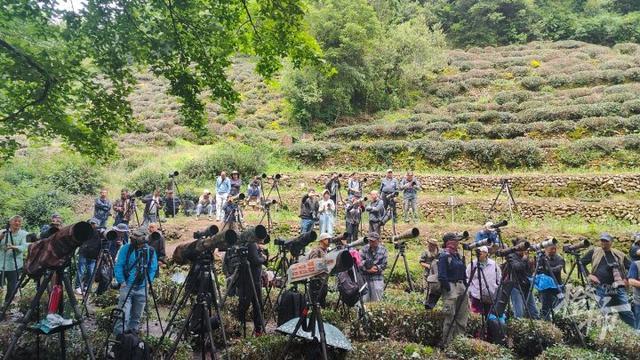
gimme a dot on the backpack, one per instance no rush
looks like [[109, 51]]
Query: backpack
[[349, 288], [290, 305], [130, 347]]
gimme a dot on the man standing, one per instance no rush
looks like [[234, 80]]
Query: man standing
[[319, 287], [373, 263], [634, 282], [130, 277], [376, 212], [308, 211], [205, 202], [488, 232], [354, 187], [52, 227], [410, 187], [634, 252], [121, 208], [452, 277], [246, 294], [353, 217], [429, 264], [102, 209], [152, 205], [223, 187], [87, 255], [388, 186], [13, 245], [236, 183], [171, 204], [520, 271], [550, 267], [333, 187], [608, 268]]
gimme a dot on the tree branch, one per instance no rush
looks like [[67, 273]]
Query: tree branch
[[48, 82], [246, 9]]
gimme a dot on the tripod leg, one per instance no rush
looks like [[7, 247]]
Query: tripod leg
[[406, 269], [209, 332], [23, 323], [92, 278], [393, 267], [495, 201], [21, 282], [256, 300], [174, 346], [167, 330], [78, 314], [216, 296], [155, 303], [317, 315]]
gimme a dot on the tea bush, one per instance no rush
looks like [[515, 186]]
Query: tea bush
[[468, 348], [532, 337], [246, 160], [620, 341], [563, 352]]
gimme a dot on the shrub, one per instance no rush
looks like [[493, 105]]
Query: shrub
[[631, 107], [563, 352], [621, 341], [246, 160], [390, 349], [312, 152], [36, 209], [270, 347], [533, 83], [438, 152], [514, 154], [78, 178], [467, 348], [532, 337], [147, 180]]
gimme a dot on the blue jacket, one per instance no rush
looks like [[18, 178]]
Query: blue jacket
[[451, 268], [131, 268], [491, 235], [223, 186]]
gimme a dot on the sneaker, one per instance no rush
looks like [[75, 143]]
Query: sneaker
[[210, 218], [79, 291], [56, 320]]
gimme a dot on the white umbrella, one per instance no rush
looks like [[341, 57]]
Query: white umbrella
[[335, 338]]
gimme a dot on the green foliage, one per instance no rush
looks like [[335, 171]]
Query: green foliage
[[246, 160], [147, 180], [469, 348], [532, 337], [368, 67], [619, 340], [391, 349], [76, 177], [563, 352]]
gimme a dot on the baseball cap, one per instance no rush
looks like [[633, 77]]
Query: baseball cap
[[488, 224], [389, 170], [324, 236], [450, 237], [373, 235], [432, 241], [121, 227], [606, 237], [483, 249]]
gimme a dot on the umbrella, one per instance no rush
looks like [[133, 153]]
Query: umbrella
[[335, 338]]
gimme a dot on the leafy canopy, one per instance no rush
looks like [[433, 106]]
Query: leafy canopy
[[68, 74]]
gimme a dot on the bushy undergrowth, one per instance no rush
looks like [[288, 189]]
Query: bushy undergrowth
[[468, 348], [563, 352], [532, 337], [246, 160]]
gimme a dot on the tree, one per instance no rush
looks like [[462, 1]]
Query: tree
[[68, 74]]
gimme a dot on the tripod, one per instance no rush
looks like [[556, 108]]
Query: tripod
[[8, 241], [582, 273], [142, 278], [390, 214], [201, 289], [310, 319], [61, 278], [104, 257], [511, 202], [244, 266], [274, 186], [173, 185], [235, 216], [282, 265], [401, 252], [265, 206]]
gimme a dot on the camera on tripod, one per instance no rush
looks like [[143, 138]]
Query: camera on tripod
[[523, 246], [391, 196], [276, 176], [296, 245], [266, 203], [400, 241], [543, 245], [174, 174], [136, 194], [574, 248], [237, 199], [477, 244], [499, 225]]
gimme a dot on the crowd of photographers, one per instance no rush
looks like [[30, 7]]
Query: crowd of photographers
[[525, 278]]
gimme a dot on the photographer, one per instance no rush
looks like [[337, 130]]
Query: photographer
[[388, 186], [256, 258], [236, 183], [319, 288], [223, 188], [608, 268], [54, 225], [13, 246], [409, 186], [519, 273], [308, 211], [157, 244], [171, 204], [429, 264], [102, 208], [550, 266], [87, 255], [353, 217], [488, 232], [121, 208], [326, 211], [231, 214], [452, 278], [122, 230], [152, 204], [354, 187], [376, 212], [129, 272], [634, 282], [205, 202], [254, 191], [333, 187], [373, 263], [490, 276]]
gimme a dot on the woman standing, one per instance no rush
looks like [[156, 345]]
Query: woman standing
[[326, 211], [13, 245], [484, 282]]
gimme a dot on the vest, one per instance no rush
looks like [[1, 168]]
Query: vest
[[598, 255], [636, 291]]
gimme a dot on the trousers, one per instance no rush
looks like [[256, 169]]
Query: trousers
[[456, 310]]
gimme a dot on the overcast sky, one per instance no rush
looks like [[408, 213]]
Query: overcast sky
[[74, 5]]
